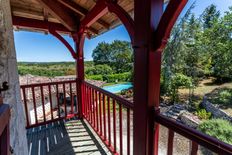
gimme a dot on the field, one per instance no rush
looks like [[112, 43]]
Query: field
[[49, 69]]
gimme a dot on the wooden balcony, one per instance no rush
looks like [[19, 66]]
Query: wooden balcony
[[106, 126]]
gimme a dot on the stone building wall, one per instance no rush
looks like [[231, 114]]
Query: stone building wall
[[9, 73]]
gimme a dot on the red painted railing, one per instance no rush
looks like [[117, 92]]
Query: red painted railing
[[196, 137], [110, 116], [48, 102], [4, 129]]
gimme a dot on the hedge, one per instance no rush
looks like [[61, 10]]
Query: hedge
[[95, 77], [122, 77]]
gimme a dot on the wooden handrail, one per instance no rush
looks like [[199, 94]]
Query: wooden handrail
[[47, 83], [4, 129], [200, 138]]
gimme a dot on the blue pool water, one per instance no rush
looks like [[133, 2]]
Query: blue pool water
[[117, 87]]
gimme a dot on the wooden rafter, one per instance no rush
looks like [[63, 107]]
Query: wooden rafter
[[96, 13], [82, 11], [38, 24], [59, 12]]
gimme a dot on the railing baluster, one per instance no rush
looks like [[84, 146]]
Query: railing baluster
[[170, 142], [25, 106], [42, 99], [77, 103], [128, 131], [109, 124], [83, 97], [114, 125], [94, 112], [50, 100], [91, 105], [88, 107], [193, 148], [65, 106], [100, 111], [97, 117], [34, 104], [104, 116], [120, 127], [58, 101], [71, 97]]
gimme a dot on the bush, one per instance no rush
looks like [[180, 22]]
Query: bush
[[99, 69], [127, 92], [123, 77], [181, 81], [176, 82], [203, 114], [218, 128], [95, 77]]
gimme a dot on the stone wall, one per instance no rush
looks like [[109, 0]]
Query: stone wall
[[8, 72], [216, 112]]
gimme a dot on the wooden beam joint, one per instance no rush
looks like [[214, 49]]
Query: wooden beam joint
[[61, 13], [167, 22]]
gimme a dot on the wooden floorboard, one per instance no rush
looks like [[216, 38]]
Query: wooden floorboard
[[65, 137]]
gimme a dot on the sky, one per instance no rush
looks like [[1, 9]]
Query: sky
[[38, 47]]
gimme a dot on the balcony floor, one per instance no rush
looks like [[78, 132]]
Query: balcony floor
[[65, 138]]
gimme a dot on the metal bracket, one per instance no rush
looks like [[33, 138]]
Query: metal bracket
[[4, 87]]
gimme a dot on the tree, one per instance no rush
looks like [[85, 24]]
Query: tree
[[118, 55], [102, 54], [121, 56], [209, 16]]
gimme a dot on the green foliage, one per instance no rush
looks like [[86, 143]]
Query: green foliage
[[49, 69], [95, 77], [209, 16], [218, 128], [203, 114], [178, 81], [127, 93], [118, 55], [181, 81], [99, 69], [222, 97], [122, 77], [198, 48]]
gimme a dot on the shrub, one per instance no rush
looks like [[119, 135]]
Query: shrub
[[181, 81], [203, 114], [95, 77], [222, 97], [103, 69], [177, 81], [99, 69], [127, 92], [218, 128], [123, 77]]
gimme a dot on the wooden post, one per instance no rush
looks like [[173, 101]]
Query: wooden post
[[146, 75], [79, 43]]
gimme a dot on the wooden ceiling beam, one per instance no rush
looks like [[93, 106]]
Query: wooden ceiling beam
[[82, 11], [94, 14], [59, 12], [38, 24]]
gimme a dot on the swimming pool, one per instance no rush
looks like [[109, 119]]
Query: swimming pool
[[117, 88]]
